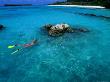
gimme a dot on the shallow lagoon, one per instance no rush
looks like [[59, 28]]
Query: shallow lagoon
[[76, 57]]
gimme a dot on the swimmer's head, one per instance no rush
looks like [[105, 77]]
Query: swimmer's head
[[15, 45], [34, 41]]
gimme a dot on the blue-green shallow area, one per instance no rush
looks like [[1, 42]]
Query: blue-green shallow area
[[73, 57]]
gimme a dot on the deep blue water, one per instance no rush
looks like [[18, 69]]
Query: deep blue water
[[76, 57]]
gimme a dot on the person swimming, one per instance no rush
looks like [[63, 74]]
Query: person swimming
[[25, 45], [30, 44]]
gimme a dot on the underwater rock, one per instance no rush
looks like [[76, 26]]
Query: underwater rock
[[81, 30], [93, 15], [1, 27], [48, 26], [70, 30], [55, 33], [56, 30], [60, 29]]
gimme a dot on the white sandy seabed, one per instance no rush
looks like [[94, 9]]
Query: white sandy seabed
[[81, 6]]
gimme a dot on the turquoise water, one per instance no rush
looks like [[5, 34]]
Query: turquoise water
[[76, 57]]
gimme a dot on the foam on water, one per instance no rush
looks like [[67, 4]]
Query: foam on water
[[76, 57]]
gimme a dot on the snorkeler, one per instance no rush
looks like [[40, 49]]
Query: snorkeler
[[30, 44], [25, 45]]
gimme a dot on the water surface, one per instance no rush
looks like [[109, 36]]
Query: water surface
[[76, 57]]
